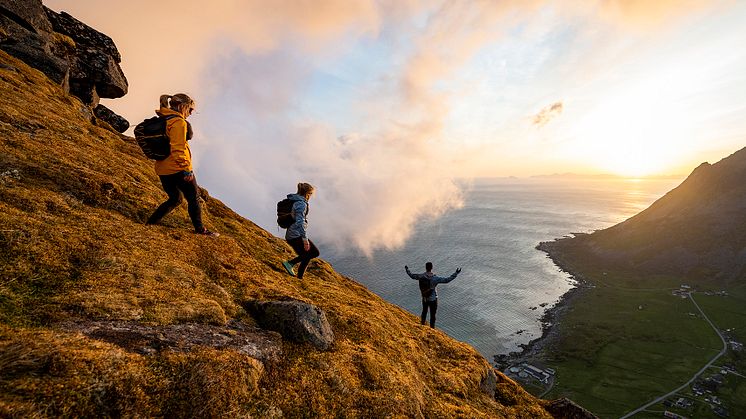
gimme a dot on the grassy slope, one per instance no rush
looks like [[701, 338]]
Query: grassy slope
[[613, 356], [726, 313], [73, 198]]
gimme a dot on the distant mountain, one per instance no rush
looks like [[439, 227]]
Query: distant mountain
[[697, 230], [570, 175]]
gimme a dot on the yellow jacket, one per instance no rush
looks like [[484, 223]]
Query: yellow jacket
[[180, 158]]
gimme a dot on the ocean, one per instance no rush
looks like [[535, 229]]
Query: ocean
[[506, 284]]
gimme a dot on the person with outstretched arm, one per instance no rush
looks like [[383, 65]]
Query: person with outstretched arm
[[428, 282]]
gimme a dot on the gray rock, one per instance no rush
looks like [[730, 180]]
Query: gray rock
[[84, 36], [294, 320], [96, 63], [83, 61], [105, 114], [27, 13], [150, 340], [25, 33]]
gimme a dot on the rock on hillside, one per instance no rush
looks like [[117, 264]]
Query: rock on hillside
[[696, 231], [102, 315], [83, 61]]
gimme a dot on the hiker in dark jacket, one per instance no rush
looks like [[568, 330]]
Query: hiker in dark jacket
[[296, 233], [175, 171], [428, 282]]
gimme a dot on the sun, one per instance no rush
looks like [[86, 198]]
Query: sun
[[634, 133]]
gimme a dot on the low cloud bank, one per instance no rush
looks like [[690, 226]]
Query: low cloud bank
[[381, 166]]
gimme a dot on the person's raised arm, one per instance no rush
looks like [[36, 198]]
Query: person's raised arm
[[411, 275], [441, 280]]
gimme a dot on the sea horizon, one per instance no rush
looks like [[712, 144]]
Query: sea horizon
[[507, 285]]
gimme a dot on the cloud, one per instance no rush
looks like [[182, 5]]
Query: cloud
[[644, 15], [547, 114], [372, 188], [253, 65]]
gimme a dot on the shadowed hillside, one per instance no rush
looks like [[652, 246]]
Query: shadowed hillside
[[696, 231], [101, 315]]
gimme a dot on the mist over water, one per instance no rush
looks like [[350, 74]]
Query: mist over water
[[493, 238]]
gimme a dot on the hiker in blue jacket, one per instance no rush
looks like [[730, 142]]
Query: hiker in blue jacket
[[428, 282], [295, 235]]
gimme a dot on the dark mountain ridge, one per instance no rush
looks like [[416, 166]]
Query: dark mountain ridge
[[696, 231]]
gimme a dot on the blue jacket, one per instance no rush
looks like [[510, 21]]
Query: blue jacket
[[434, 281], [299, 212]]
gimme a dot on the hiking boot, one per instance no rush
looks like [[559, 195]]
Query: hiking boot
[[288, 267], [208, 233]]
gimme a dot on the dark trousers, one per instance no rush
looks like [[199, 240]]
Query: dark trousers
[[303, 256], [175, 186], [433, 306]]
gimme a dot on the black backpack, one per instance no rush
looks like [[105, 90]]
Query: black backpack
[[285, 213], [425, 289], [152, 139]]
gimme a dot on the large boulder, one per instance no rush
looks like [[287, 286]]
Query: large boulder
[[294, 320], [95, 69], [26, 13], [26, 33], [150, 340], [105, 114], [82, 60]]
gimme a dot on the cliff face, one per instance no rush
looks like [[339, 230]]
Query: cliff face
[[102, 315], [697, 230]]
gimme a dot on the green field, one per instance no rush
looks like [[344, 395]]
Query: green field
[[627, 341]]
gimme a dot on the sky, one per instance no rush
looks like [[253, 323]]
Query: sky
[[390, 106]]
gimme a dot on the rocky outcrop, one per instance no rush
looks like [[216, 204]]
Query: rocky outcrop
[[107, 115], [94, 67], [150, 340], [294, 320], [83, 61], [27, 34]]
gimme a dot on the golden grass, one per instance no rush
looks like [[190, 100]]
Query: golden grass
[[74, 197]]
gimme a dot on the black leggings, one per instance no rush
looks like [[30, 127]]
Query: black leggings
[[303, 256], [175, 185], [433, 306]]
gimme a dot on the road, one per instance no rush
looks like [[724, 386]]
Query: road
[[664, 397]]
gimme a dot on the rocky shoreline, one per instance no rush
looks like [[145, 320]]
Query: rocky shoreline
[[551, 319]]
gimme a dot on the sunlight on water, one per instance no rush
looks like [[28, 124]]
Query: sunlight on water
[[496, 302]]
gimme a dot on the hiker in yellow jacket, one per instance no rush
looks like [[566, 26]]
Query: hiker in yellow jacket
[[175, 171]]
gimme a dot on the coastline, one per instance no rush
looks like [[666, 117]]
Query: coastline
[[552, 317]]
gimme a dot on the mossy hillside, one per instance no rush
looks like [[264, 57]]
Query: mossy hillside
[[73, 198]]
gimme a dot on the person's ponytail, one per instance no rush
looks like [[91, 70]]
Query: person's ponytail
[[305, 189], [164, 101]]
